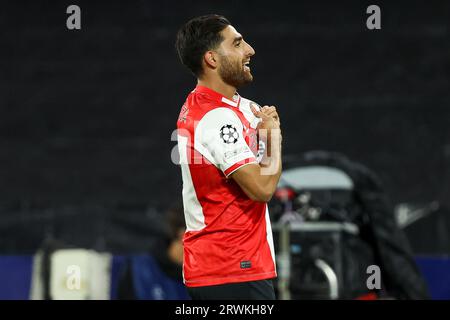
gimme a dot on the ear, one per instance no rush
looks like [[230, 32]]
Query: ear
[[210, 59]]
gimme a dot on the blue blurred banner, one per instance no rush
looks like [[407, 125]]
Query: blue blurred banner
[[16, 275]]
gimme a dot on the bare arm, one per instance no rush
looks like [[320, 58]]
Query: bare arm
[[259, 181]]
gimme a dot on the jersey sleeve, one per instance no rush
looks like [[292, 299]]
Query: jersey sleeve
[[219, 138]]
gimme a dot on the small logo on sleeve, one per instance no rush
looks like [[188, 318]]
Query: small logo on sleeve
[[183, 113], [246, 264], [229, 134]]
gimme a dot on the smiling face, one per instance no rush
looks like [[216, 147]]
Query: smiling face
[[234, 58]]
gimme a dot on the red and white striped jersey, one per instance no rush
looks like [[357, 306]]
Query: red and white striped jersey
[[228, 236]]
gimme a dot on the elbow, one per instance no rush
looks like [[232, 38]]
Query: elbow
[[262, 196]]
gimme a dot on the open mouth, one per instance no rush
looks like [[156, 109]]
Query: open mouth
[[247, 66]]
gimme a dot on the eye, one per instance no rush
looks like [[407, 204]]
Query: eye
[[237, 44]]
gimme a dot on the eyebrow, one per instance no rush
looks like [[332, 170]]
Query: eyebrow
[[237, 39]]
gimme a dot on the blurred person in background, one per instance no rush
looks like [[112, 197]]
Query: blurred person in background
[[158, 275]]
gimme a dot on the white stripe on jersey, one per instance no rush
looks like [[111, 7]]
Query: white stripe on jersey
[[228, 101], [270, 237], [193, 211]]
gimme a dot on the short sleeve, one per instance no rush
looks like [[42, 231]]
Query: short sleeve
[[219, 138]]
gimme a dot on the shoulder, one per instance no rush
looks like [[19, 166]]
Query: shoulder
[[218, 117], [194, 109]]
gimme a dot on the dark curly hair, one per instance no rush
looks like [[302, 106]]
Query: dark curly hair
[[197, 36], [175, 220]]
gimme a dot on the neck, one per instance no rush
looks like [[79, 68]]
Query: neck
[[219, 86]]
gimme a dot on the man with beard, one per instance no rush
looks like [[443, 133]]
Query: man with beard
[[230, 156]]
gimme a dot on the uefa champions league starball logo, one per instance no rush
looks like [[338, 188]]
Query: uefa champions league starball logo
[[229, 134]]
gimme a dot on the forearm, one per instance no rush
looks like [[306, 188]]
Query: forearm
[[259, 181], [271, 163]]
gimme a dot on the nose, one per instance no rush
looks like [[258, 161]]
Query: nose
[[250, 50]]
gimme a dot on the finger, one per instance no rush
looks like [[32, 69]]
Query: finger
[[255, 112], [269, 111], [272, 114], [267, 108]]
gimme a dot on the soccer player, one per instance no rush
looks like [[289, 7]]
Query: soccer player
[[230, 156]]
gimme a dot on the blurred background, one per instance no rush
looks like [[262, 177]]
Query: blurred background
[[86, 119]]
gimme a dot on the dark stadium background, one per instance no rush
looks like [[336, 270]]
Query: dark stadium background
[[86, 116]]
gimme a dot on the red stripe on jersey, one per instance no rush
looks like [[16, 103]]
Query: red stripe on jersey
[[236, 166]]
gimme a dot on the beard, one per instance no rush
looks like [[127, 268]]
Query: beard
[[233, 73]]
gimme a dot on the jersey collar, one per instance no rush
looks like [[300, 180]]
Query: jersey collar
[[219, 97]]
